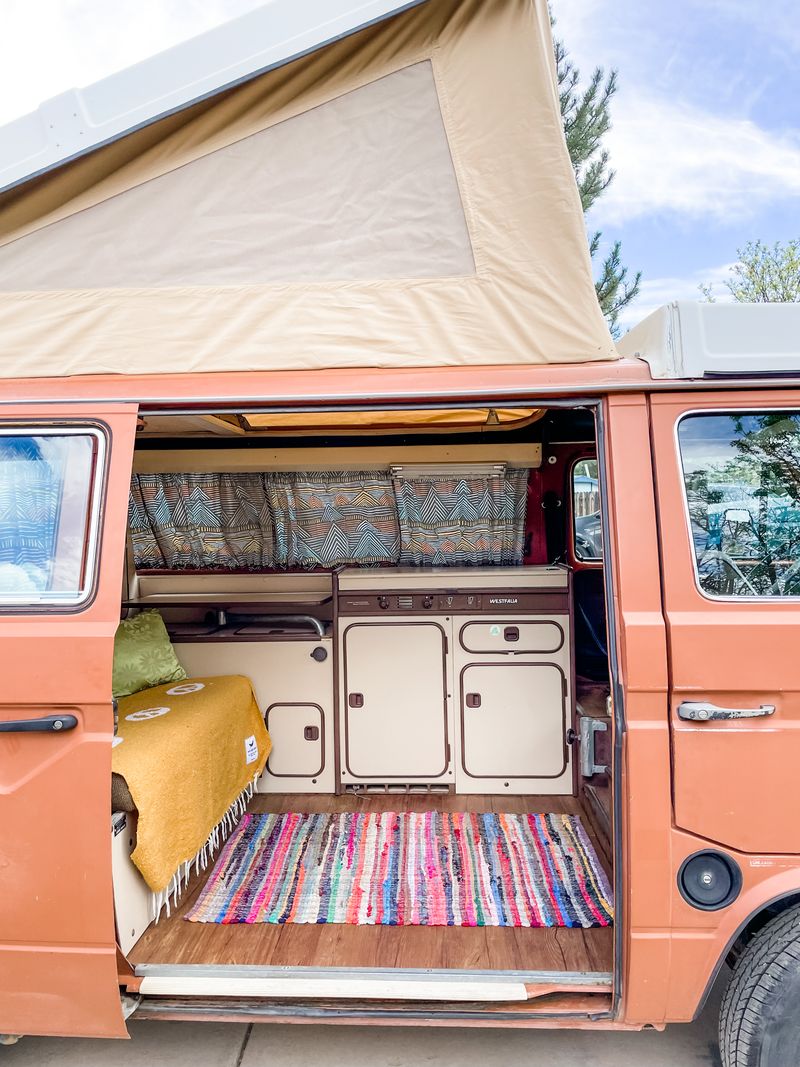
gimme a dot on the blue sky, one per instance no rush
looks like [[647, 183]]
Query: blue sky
[[706, 135]]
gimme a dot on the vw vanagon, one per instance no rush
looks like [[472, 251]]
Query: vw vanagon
[[380, 642]]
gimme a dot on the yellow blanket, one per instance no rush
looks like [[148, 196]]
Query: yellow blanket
[[188, 751]]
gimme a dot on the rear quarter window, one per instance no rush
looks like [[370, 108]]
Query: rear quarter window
[[741, 475]]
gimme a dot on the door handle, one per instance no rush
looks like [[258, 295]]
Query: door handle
[[356, 700], [50, 724], [693, 711], [473, 700]]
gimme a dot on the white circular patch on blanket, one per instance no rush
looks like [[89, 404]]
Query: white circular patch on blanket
[[188, 687], [145, 713]]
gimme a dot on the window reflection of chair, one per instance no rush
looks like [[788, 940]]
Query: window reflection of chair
[[721, 574]]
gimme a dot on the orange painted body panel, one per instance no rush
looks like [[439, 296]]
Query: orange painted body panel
[[58, 972], [57, 960], [344, 386], [672, 949], [735, 781]]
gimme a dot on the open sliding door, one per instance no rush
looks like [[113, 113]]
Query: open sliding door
[[64, 477]]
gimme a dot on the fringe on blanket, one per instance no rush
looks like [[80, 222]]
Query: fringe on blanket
[[168, 898]]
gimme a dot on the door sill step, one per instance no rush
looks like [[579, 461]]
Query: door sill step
[[362, 984]]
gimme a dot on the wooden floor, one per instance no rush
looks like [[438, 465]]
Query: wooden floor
[[176, 941]]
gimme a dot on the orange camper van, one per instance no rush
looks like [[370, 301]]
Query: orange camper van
[[380, 643]]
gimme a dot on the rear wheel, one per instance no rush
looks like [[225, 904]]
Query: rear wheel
[[760, 1017]]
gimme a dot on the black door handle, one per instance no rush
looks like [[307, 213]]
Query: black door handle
[[50, 724]]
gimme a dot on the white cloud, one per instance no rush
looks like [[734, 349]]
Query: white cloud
[[681, 142], [655, 292], [671, 157]]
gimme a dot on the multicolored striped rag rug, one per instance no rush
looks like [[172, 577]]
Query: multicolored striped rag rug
[[407, 869]]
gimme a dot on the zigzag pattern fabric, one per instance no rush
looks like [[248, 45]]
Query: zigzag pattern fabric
[[330, 519], [201, 521], [262, 521], [462, 521], [265, 521], [30, 502]]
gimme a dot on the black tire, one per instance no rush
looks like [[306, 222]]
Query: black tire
[[759, 1023]]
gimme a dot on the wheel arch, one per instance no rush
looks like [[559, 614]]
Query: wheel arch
[[745, 932]]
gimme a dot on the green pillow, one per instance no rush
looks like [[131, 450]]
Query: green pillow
[[143, 655]]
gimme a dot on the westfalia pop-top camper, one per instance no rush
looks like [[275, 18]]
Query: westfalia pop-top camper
[[380, 642]]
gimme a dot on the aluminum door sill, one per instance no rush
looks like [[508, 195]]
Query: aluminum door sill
[[306, 983]]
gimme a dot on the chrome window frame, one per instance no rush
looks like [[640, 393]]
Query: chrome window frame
[[712, 598], [14, 603]]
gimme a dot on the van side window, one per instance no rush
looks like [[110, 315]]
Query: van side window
[[48, 505], [741, 473], [587, 530]]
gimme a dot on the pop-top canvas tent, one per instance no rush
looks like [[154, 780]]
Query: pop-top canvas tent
[[400, 197]]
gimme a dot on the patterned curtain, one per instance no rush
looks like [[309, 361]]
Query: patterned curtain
[[268, 521], [30, 503], [462, 521], [262, 521], [334, 518], [200, 521]]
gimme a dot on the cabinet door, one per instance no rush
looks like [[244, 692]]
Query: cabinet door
[[297, 732], [513, 720], [395, 701]]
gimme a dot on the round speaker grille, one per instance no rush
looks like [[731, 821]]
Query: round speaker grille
[[709, 880]]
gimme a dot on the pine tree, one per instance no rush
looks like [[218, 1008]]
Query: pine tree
[[586, 114]]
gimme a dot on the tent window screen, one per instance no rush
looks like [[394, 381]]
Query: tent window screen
[[359, 188]]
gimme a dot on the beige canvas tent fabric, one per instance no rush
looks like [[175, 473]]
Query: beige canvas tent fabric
[[401, 198]]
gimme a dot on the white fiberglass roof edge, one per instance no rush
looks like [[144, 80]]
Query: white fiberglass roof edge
[[693, 339], [81, 120]]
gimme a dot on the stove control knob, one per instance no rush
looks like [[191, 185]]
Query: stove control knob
[[383, 602], [427, 602]]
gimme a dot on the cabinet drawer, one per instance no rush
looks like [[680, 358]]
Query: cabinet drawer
[[514, 637]]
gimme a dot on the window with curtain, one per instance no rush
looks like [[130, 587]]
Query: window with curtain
[[47, 482], [262, 521], [281, 521], [462, 521], [201, 522]]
